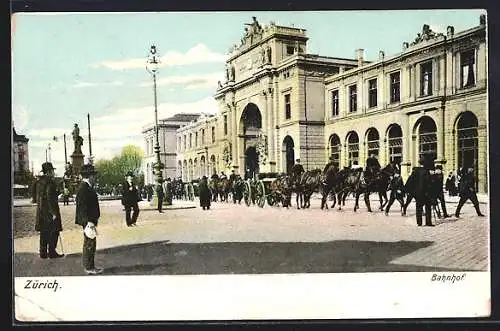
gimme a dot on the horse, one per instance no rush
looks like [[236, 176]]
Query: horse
[[309, 182], [212, 185], [281, 190], [359, 183], [223, 188], [238, 187], [333, 185]]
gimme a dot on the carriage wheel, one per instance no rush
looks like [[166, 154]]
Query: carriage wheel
[[247, 193], [260, 194]]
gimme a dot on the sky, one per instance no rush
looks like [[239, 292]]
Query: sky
[[68, 65]]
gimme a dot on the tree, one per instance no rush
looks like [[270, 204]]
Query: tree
[[112, 172]]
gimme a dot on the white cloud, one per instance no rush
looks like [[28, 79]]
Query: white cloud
[[88, 84], [20, 117], [196, 55], [203, 81], [109, 132]]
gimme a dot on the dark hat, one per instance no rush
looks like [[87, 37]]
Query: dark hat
[[130, 174], [87, 170], [46, 167], [298, 160]]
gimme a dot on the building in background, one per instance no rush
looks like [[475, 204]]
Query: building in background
[[167, 137], [20, 155], [278, 104], [429, 99]]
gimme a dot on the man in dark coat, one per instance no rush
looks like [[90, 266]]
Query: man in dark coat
[[160, 195], [204, 193], [396, 187], [48, 217], [422, 189], [329, 171], [437, 194], [372, 165], [169, 191], [129, 200], [467, 191], [450, 185], [297, 171], [87, 215]]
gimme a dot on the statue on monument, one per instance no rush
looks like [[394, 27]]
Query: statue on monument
[[77, 139]]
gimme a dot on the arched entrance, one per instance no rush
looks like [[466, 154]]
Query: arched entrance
[[395, 143], [335, 149], [427, 138], [352, 148], [251, 130], [251, 162], [467, 141], [288, 154], [372, 142]]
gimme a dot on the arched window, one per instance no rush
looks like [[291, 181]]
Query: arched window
[[372, 142], [395, 143], [353, 148], [427, 138], [467, 141], [335, 149]]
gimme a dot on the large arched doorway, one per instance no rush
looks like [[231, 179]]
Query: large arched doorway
[[335, 149], [467, 141], [251, 162], [352, 148], [395, 143], [427, 138], [288, 153], [251, 130]]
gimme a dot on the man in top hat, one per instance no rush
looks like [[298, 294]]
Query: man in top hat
[[396, 186], [160, 194], [48, 216], [297, 170], [422, 189], [467, 191], [87, 215], [437, 190], [130, 199]]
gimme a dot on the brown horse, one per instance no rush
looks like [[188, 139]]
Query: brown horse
[[281, 190], [223, 188], [359, 183], [310, 181]]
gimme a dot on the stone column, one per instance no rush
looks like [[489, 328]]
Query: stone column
[[271, 130], [407, 139], [232, 122], [276, 115], [441, 142]]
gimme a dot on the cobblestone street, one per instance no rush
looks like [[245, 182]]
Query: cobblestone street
[[235, 239]]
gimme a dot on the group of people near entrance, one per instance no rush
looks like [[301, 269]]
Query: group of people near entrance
[[48, 217], [425, 185]]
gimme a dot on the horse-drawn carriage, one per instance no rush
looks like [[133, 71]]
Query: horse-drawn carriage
[[260, 190], [190, 190]]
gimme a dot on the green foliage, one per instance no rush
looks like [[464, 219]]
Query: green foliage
[[112, 172]]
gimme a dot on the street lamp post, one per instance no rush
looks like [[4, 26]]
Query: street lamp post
[[152, 67]]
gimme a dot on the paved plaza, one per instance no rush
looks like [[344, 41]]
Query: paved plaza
[[236, 239]]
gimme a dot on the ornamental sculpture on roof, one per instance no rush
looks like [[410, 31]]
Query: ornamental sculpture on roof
[[426, 35], [253, 32]]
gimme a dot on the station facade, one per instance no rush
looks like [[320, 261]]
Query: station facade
[[279, 104]]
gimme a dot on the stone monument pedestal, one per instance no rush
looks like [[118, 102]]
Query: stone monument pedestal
[[77, 162]]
